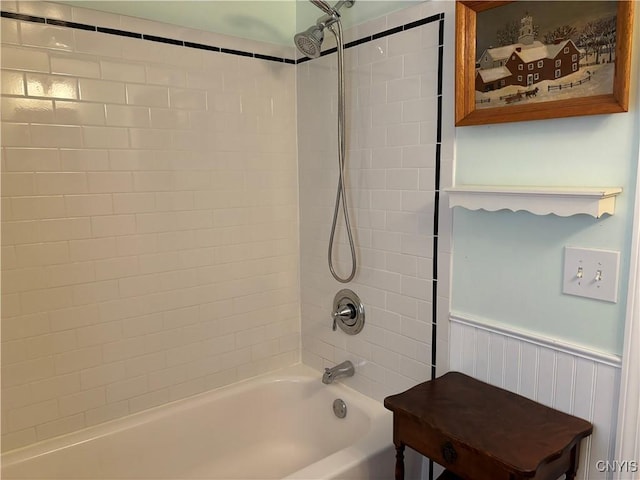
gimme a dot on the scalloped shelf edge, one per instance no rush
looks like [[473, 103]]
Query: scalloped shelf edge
[[561, 201]]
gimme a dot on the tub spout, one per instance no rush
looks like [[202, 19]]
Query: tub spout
[[344, 369]]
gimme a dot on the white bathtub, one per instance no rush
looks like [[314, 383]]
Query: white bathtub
[[275, 426]]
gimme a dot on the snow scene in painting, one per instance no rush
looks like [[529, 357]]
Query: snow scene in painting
[[530, 52]]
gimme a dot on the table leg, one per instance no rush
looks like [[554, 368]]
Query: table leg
[[573, 462], [400, 461]]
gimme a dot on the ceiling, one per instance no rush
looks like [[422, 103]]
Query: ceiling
[[273, 21]]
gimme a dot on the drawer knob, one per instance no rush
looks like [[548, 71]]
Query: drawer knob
[[449, 453]]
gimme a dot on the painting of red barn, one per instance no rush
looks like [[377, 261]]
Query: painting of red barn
[[517, 60]]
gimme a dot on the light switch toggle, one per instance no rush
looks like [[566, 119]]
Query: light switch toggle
[[580, 273], [598, 275]]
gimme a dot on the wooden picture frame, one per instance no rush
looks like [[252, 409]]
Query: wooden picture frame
[[467, 71]]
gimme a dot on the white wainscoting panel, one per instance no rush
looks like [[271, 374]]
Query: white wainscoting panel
[[565, 377]]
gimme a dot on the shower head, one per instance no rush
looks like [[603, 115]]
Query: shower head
[[309, 42]]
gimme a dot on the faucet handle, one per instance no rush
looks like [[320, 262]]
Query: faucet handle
[[345, 311], [346, 314]]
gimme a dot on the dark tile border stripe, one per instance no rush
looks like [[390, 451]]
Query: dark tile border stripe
[[436, 214], [436, 203], [201, 46], [386, 33], [22, 17], [64, 23], [171, 41], [355, 43], [212, 48], [269, 57], [121, 33], [424, 21], [237, 52]]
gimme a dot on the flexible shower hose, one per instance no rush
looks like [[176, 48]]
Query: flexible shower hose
[[336, 29]]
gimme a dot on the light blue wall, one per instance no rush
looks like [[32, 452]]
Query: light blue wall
[[270, 21], [507, 267], [273, 21]]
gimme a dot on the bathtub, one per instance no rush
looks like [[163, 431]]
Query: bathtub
[[276, 426]]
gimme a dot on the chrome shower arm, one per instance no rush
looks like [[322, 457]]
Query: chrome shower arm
[[324, 6], [332, 11], [341, 3], [326, 21]]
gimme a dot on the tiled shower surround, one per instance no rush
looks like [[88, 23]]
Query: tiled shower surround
[[399, 156], [166, 210]]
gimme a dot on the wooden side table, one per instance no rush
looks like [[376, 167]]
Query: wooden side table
[[481, 432]]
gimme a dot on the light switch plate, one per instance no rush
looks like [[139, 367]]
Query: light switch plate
[[591, 273]]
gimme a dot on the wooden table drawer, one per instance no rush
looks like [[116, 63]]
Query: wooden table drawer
[[448, 452]]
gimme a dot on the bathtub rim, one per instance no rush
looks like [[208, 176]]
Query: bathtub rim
[[369, 444]]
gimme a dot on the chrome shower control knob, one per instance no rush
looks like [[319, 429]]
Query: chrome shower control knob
[[348, 312]]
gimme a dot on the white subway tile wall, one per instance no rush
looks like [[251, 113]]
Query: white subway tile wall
[[150, 236], [392, 113], [149, 220]]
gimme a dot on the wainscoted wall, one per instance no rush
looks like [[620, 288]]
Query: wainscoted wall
[[149, 217], [400, 150], [568, 378]]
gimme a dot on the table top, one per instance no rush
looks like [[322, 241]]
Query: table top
[[516, 431]]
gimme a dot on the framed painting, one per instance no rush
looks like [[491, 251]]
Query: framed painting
[[533, 60]]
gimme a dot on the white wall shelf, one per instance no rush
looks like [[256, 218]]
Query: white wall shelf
[[561, 201]]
